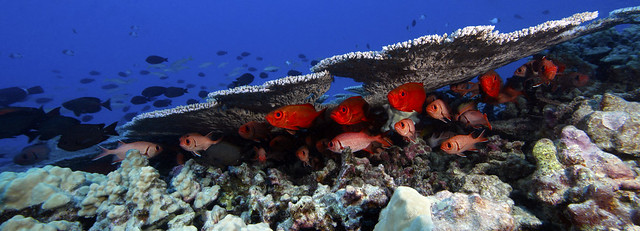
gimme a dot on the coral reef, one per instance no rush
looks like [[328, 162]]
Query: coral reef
[[19, 222]]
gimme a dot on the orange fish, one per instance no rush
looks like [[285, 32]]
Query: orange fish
[[408, 97], [461, 143], [546, 70], [293, 117], [438, 109], [507, 94], [261, 154], [356, 141], [194, 142], [573, 79], [435, 140], [253, 130], [146, 148], [526, 70], [490, 83], [465, 88], [351, 111], [474, 119], [462, 108], [303, 154], [407, 129]]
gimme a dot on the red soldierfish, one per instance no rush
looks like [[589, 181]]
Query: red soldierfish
[[490, 83], [351, 111], [194, 142], [356, 141], [438, 109], [461, 143], [253, 130], [303, 154], [293, 117], [474, 119], [546, 70], [465, 88], [408, 97], [146, 148], [407, 129]]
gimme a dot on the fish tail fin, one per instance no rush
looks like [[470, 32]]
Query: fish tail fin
[[54, 112], [480, 138], [111, 129], [77, 113], [384, 140], [487, 119], [32, 135], [105, 152], [107, 104]]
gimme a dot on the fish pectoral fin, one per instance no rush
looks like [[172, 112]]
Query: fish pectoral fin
[[460, 154], [196, 153]]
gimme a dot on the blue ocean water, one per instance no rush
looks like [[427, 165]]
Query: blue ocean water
[[38, 38]]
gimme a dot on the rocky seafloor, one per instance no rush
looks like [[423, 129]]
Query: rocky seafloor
[[565, 160]]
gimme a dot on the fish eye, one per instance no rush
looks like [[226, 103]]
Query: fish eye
[[278, 115], [402, 124], [187, 141], [402, 93], [330, 144], [157, 147], [343, 109], [434, 107], [448, 145]]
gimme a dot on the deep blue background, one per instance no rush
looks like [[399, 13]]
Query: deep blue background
[[276, 30]]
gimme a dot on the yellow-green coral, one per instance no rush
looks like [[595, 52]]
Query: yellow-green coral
[[545, 153]]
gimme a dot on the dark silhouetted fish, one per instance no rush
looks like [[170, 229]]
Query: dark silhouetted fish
[[190, 85], [43, 100], [15, 121], [94, 72], [56, 71], [252, 69], [129, 116], [146, 108], [239, 57], [154, 59], [32, 154], [245, 54], [259, 58], [203, 94], [86, 118], [220, 53], [123, 74], [314, 62], [54, 124], [201, 74], [84, 105], [83, 136], [180, 81], [126, 108], [203, 87], [302, 56], [162, 103], [413, 23], [109, 86], [244, 79], [192, 101], [164, 77], [293, 73], [545, 12], [222, 154], [12, 95], [137, 100], [87, 80], [68, 52], [144, 72], [35, 90], [245, 65], [368, 46], [173, 92], [15, 55], [263, 75], [154, 91], [517, 16]]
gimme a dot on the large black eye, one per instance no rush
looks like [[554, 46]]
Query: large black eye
[[343, 109], [449, 145], [402, 125], [278, 115], [402, 93], [157, 147], [187, 141], [434, 107], [330, 144]]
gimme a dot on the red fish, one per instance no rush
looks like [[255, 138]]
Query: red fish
[[507, 94], [438, 109], [547, 70], [194, 142], [407, 129], [408, 97], [490, 83], [465, 88], [293, 117], [356, 141], [461, 143], [303, 154], [351, 111], [435, 140], [253, 130], [474, 119], [261, 154], [571, 80], [146, 148]]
